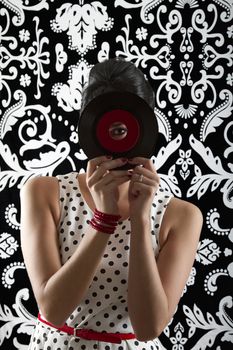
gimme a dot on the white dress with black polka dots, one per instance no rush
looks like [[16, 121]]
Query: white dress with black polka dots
[[104, 307]]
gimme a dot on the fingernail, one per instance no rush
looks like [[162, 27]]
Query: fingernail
[[130, 159], [109, 157], [124, 159]]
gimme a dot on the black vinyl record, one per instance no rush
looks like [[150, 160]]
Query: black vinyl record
[[120, 124]]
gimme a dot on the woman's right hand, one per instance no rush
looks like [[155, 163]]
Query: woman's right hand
[[103, 182]]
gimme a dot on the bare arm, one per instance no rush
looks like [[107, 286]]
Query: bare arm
[[155, 287], [52, 283]]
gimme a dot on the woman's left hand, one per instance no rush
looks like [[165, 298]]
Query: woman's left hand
[[144, 184]]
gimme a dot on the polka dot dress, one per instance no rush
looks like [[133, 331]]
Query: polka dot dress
[[104, 307]]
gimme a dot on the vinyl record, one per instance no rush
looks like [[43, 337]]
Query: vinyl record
[[120, 124]]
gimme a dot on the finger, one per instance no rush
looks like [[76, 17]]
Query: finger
[[111, 182], [145, 162], [145, 172], [93, 163], [139, 187], [144, 180], [104, 168]]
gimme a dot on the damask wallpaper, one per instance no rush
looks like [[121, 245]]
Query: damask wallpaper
[[185, 49]]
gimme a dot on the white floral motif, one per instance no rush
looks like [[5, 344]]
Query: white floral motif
[[195, 320], [229, 79], [74, 137], [210, 282], [200, 182], [8, 245], [228, 7], [207, 251], [216, 116], [230, 31], [69, 95], [18, 8], [34, 57], [81, 24], [141, 33], [8, 273], [178, 341], [146, 7], [184, 161], [10, 216], [24, 35], [103, 54], [25, 80], [22, 318], [61, 57], [182, 3], [168, 181], [186, 113], [28, 131]]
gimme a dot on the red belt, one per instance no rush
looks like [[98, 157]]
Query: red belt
[[90, 334]]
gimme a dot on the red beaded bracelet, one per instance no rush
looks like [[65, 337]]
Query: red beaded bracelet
[[103, 222]]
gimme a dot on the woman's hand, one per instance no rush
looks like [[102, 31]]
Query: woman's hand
[[103, 182], [143, 186]]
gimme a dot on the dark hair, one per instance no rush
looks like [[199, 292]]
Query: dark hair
[[117, 74]]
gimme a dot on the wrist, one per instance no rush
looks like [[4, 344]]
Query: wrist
[[139, 221]]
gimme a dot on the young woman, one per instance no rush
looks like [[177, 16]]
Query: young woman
[[106, 255]]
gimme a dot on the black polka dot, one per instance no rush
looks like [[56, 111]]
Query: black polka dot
[[81, 204]]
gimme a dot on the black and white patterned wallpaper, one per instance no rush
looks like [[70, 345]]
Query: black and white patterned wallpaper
[[185, 49]]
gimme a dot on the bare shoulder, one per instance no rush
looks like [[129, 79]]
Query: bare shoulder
[[184, 214], [181, 207], [43, 190]]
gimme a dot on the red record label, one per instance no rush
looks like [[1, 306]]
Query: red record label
[[118, 116]]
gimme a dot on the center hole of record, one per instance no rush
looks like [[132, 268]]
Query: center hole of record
[[117, 131]]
